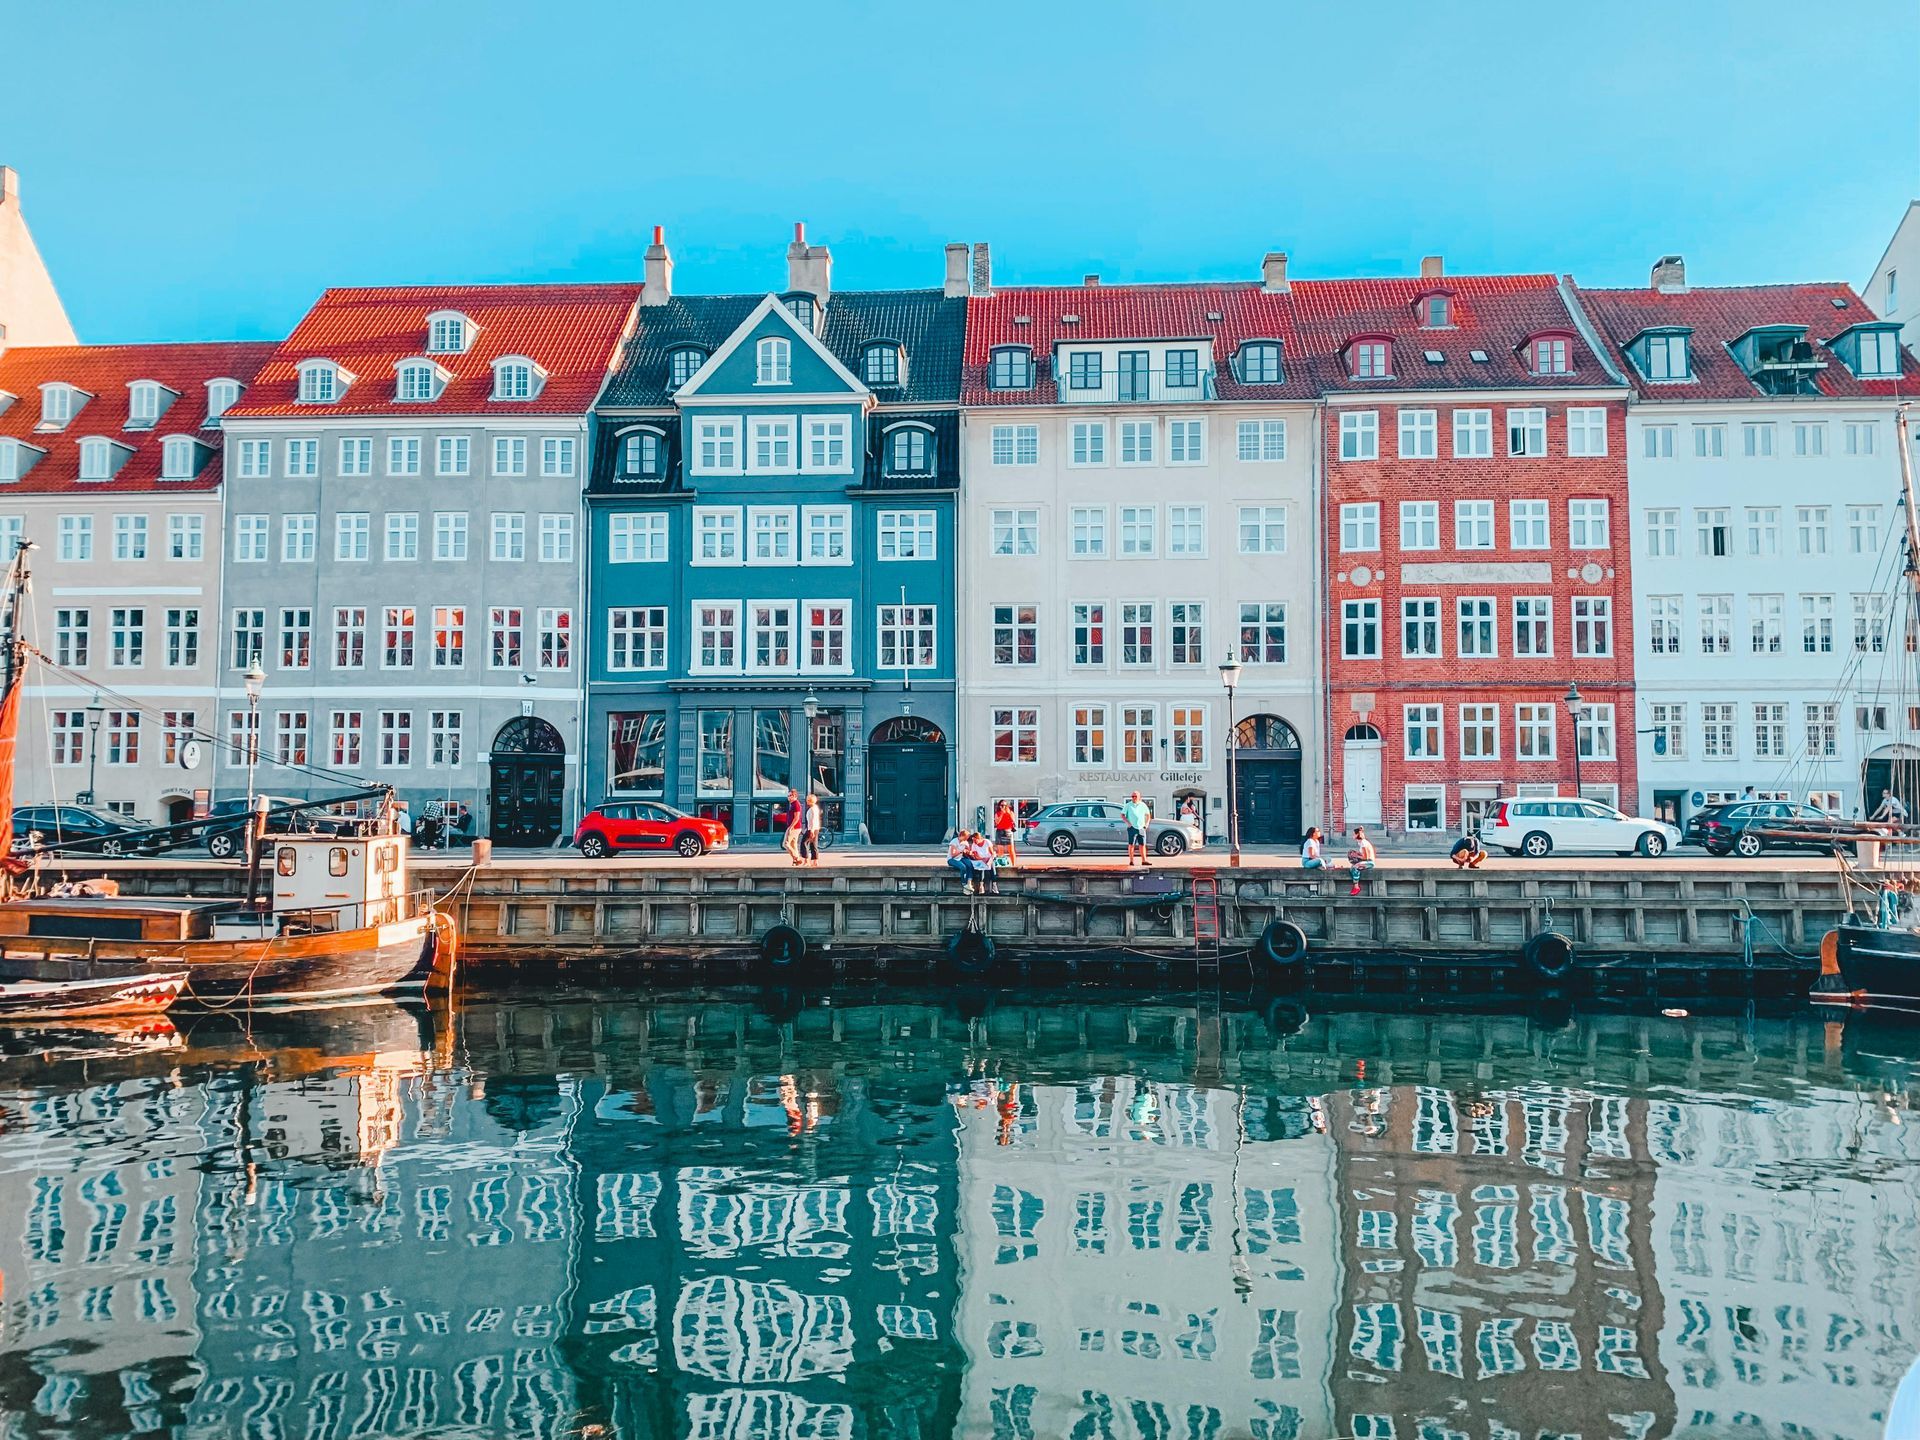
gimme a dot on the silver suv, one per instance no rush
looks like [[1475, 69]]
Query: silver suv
[[1100, 825]]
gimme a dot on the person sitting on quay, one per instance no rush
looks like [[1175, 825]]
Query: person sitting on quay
[[1310, 857], [957, 857], [1360, 858], [980, 861], [1467, 852]]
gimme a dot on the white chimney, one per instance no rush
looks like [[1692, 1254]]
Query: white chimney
[[1273, 272], [659, 270], [982, 269], [809, 267], [956, 282], [1432, 267], [1670, 275]]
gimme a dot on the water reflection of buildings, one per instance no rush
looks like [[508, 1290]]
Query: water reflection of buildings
[[1151, 1259]]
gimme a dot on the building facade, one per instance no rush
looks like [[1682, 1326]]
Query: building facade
[[111, 459], [30, 308], [771, 543], [402, 553], [1477, 565], [1140, 473], [1768, 541], [1893, 290]]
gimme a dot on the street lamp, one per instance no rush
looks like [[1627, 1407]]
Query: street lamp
[[1574, 708], [255, 678], [809, 707], [95, 712], [1230, 677]]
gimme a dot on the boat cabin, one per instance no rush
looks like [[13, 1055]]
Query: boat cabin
[[338, 882]]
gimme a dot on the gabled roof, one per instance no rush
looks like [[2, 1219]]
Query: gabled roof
[[1129, 312], [105, 371], [928, 324], [572, 331], [774, 306], [1720, 315]]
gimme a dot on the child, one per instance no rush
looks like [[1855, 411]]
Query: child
[[1310, 850], [1360, 858]]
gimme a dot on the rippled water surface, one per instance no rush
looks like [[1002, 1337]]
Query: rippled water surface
[[1120, 1216]]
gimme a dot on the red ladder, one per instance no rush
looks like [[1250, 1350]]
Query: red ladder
[[1206, 913]]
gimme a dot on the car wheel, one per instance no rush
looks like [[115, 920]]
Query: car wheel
[[1652, 845], [594, 847], [1060, 843], [222, 847], [1170, 844], [114, 848], [1748, 845], [1538, 845], [690, 845]]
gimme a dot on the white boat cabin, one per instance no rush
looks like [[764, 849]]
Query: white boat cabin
[[338, 882]]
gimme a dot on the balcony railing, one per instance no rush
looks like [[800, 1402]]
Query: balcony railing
[[1126, 386]]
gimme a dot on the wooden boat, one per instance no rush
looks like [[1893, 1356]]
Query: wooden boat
[[1868, 964], [36, 1001]]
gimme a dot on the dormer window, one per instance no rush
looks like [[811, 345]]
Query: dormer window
[[1435, 311], [643, 455], [909, 450], [1260, 363], [1779, 359], [419, 380], [1877, 353], [1664, 355], [180, 458], [321, 382], [773, 361], [221, 397], [1011, 368], [449, 332], [145, 402], [880, 364], [801, 308], [517, 378], [16, 459], [683, 364], [58, 405], [99, 458], [1550, 355], [1370, 360]]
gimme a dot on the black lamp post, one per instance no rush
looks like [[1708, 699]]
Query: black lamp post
[[809, 707], [1230, 677], [95, 712], [1575, 707]]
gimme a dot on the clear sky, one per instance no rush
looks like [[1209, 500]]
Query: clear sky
[[202, 169]]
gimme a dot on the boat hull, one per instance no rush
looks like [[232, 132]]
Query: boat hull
[[39, 1001], [1879, 967], [378, 960]]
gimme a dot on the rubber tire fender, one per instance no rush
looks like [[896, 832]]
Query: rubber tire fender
[[970, 951], [1549, 955], [1282, 945], [783, 947]]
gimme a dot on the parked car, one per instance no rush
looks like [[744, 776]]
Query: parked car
[[76, 828], [1540, 827], [222, 837], [1738, 829], [1099, 825], [646, 825]]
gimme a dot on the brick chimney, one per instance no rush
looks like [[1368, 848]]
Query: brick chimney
[[1670, 275], [1273, 272], [1090, 280], [659, 270], [1432, 267], [809, 267], [982, 270], [956, 282]]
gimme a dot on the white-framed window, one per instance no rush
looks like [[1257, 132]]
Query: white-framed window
[[1880, 349], [1420, 628], [1360, 526], [514, 379], [76, 536], [128, 633], [1187, 734], [221, 397], [403, 455], [57, 405], [1479, 732], [129, 537], [1668, 722], [908, 637], [1859, 437], [1710, 442], [1763, 530], [1137, 441], [1089, 735], [557, 455], [1823, 739], [828, 445], [909, 450], [1595, 732], [1766, 623], [1863, 529], [1186, 442], [399, 624], [1473, 524], [1472, 434], [1816, 624], [1139, 531], [1756, 439], [297, 536], [1261, 439], [1527, 432], [1810, 526], [1533, 626], [1088, 636], [880, 364], [770, 534], [716, 535], [179, 457], [637, 638], [643, 455], [183, 637], [1809, 438], [344, 730], [249, 635], [505, 627], [446, 333], [1015, 445], [249, 538], [907, 534], [683, 364], [1419, 435], [1656, 441], [1263, 633], [418, 381], [1479, 629], [1586, 430], [350, 637], [1137, 619], [319, 382], [123, 737], [1370, 360], [1870, 623], [303, 458], [296, 638], [450, 535], [1528, 525], [1138, 724], [1552, 355], [637, 538], [396, 739], [1186, 632], [1087, 442], [556, 539], [96, 459], [1016, 736], [1716, 624], [1088, 526], [826, 530], [1592, 625], [452, 455], [256, 459], [403, 537], [1663, 532], [509, 454], [1360, 629], [1419, 525], [1713, 528], [1187, 530], [509, 536], [355, 456], [716, 445], [1015, 531], [773, 361], [1016, 634], [825, 639], [1423, 728], [352, 531], [1533, 731], [1359, 435], [186, 537], [770, 443], [449, 637], [444, 735], [1588, 525]]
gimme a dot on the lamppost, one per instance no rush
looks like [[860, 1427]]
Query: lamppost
[[255, 679], [1575, 707], [809, 707], [95, 712], [1230, 677]]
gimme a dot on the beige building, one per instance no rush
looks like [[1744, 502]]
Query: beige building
[[30, 308]]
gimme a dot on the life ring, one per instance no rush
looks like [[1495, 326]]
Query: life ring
[[971, 951], [1282, 945], [443, 950], [783, 947], [1549, 955]]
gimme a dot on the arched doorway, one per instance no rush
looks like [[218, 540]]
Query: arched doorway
[[528, 767], [178, 809], [1266, 763], [1360, 755], [1893, 767], [907, 782]]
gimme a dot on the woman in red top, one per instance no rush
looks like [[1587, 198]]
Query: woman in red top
[[1003, 823]]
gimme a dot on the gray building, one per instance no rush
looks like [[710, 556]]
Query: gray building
[[403, 525]]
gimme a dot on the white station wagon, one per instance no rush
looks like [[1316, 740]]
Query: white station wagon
[[1540, 827]]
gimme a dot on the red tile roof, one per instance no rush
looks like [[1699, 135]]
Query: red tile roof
[[573, 332], [1722, 314], [105, 372]]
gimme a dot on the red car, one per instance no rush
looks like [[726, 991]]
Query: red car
[[646, 825]]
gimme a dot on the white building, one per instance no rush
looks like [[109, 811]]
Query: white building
[[1893, 290], [1768, 543], [1139, 504]]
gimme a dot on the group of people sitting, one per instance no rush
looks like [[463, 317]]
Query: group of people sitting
[[977, 859], [1467, 854]]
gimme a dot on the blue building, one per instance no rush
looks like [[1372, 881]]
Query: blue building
[[771, 588]]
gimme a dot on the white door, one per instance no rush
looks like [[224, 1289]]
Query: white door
[[1361, 771]]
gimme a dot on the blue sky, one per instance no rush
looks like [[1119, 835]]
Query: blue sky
[[203, 170]]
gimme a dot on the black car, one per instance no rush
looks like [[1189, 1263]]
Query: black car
[[1741, 828], [227, 822], [74, 828]]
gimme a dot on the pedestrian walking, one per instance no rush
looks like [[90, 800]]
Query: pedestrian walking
[[810, 841], [1360, 858], [1138, 817], [1003, 825], [795, 816], [1310, 857]]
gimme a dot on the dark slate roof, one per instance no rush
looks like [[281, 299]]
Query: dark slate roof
[[945, 425], [929, 325]]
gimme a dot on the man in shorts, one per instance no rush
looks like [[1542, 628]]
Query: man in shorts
[[1137, 816]]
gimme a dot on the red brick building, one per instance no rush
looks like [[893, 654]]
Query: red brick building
[[1476, 547]]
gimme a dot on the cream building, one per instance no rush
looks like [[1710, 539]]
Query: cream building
[[30, 308]]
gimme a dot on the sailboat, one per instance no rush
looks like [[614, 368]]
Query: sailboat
[[339, 920]]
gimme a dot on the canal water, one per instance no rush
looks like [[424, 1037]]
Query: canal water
[[731, 1214]]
